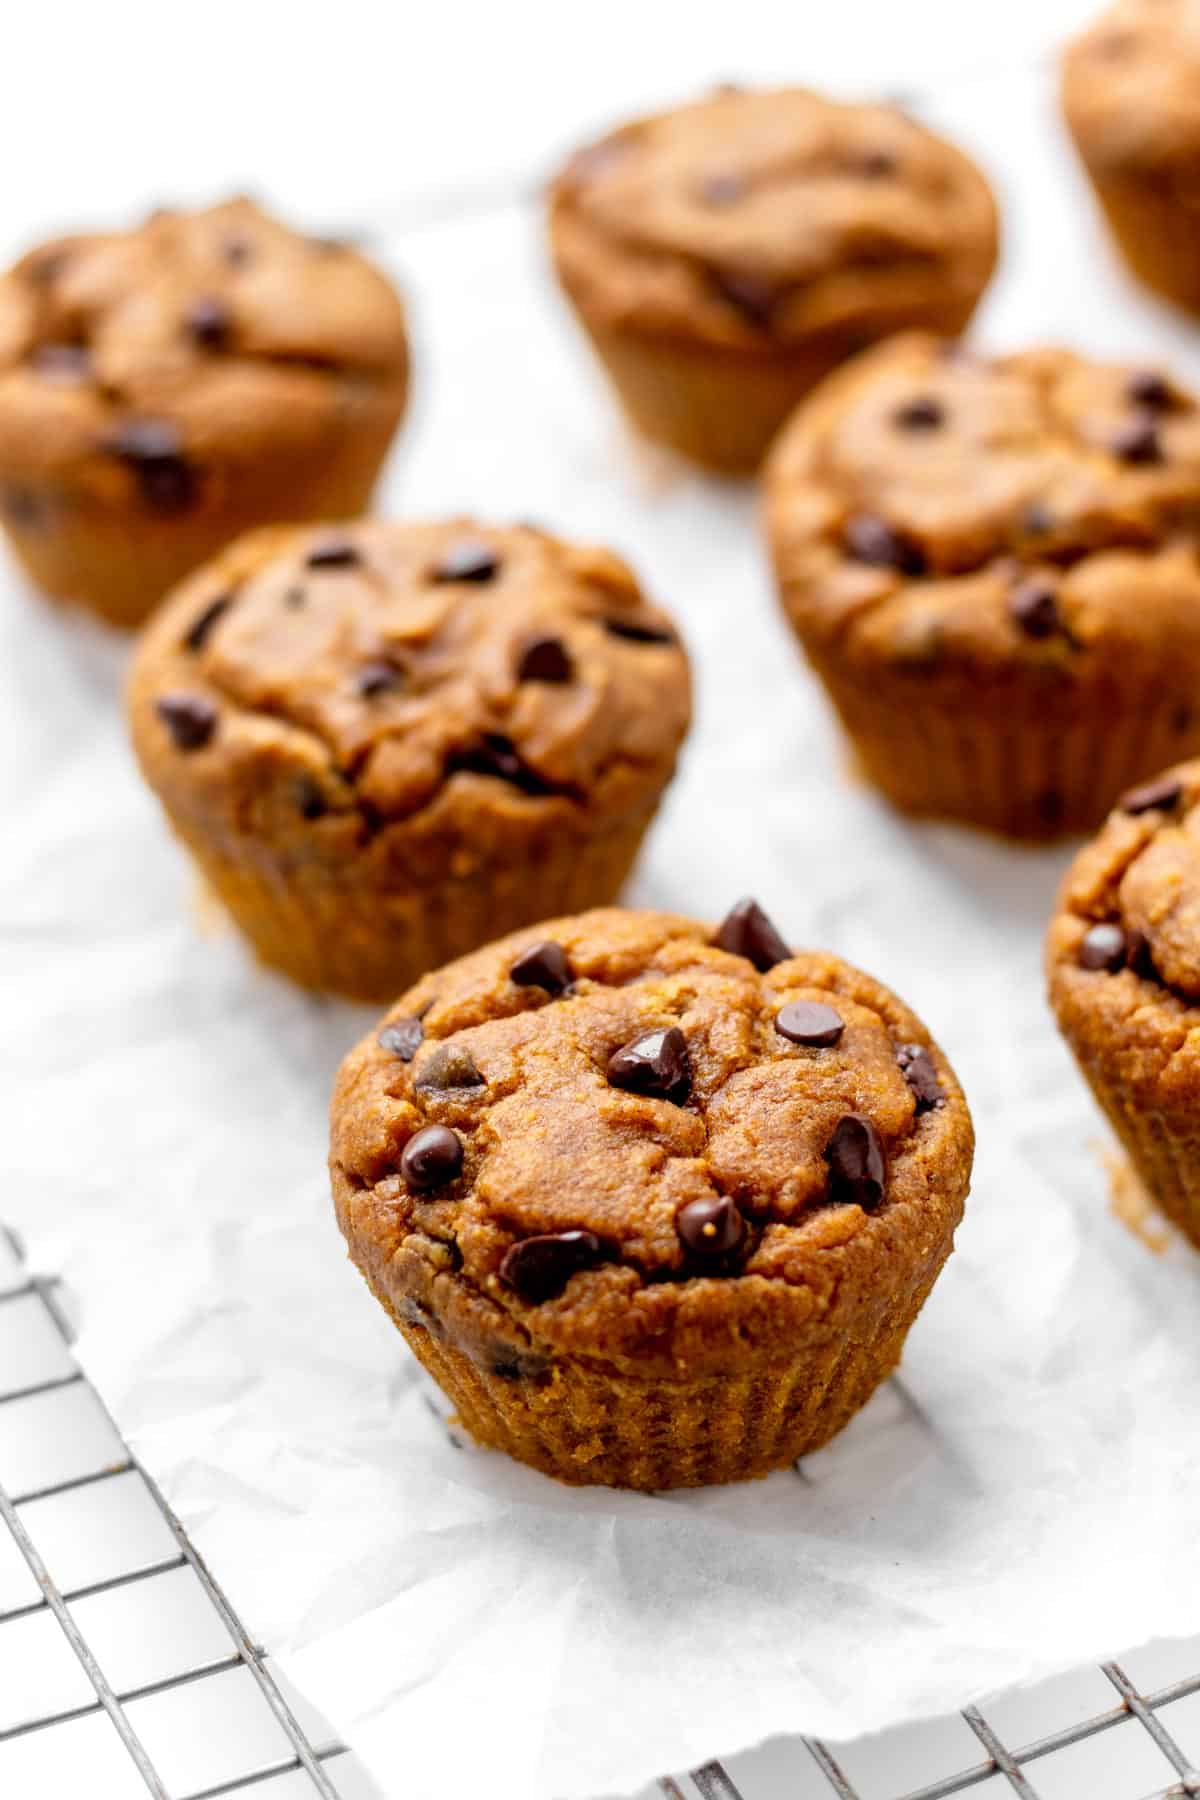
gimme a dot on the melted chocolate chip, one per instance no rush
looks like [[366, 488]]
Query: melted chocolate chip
[[378, 677], [1104, 947], [543, 658], [635, 632], [923, 413], [746, 931], [496, 755], [755, 299], [153, 450], [449, 1066], [1149, 389], [432, 1158], [1033, 606], [809, 1023], [543, 965], [916, 1066], [402, 1038], [724, 188], [1138, 442], [201, 628], [870, 539], [62, 362], [857, 1166], [209, 322], [1163, 793], [539, 1268], [333, 553], [467, 561], [656, 1064], [311, 800], [710, 1227], [190, 719]]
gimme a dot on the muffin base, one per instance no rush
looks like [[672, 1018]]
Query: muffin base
[[1163, 1146], [1157, 229]]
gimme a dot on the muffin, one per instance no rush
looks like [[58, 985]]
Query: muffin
[[992, 566], [385, 743], [724, 256], [1123, 960], [655, 1204], [1129, 87], [165, 389]]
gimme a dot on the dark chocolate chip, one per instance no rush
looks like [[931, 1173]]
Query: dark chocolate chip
[[1138, 442], [539, 1268], [378, 677], [1033, 606], [311, 800], [237, 251], [449, 1066], [710, 1227], [154, 451], [923, 413], [746, 931], [333, 553], [876, 164], [432, 1158], [402, 1038], [201, 628], [496, 755], [723, 188], [635, 632], [1149, 389], [657, 1064], [190, 719], [62, 362], [754, 298], [1104, 947], [467, 560], [916, 1066], [543, 965], [209, 322], [870, 539], [543, 658], [857, 1166], [808, 1022], [1165, 792], [294, 597], [1037, 519]]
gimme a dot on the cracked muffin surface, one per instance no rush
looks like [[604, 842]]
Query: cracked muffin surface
[[165, 388], [747, 242], [992, 565], [627, 1149], [384, 741]]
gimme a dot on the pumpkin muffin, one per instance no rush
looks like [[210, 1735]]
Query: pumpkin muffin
[[1129, 88], [164, 389], [385, 743], [656, 1204], [992, 566], [724, 256], [1123, 958]]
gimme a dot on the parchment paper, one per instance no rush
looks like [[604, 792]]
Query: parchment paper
[[1022, 1502]]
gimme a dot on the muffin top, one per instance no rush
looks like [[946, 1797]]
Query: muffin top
[[215, 331], [759, 218], [1129, 86], [936, 510], [629, 1136], [351, 680]]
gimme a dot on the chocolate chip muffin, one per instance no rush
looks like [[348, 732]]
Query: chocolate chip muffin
[[992, 565], [655, 1204], [1123, 959], [164, 389], [385, 743], [724, 256], [1129, 87]]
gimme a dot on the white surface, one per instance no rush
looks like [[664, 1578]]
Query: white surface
[[167, 1129]]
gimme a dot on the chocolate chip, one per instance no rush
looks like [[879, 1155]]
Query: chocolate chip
[[876, 164], [202, 625], [723, 188], [543, 658], [1037, 519], [430, 1159], [755, 299], [916, 1066], [402, 1038], [449, 1066], [857, 1166], [1103, 947], [1163, 793], [870, 539], [1149, 389], [657, 1064], [294, 597], [311, 800], [62, 362], [378, 677], [496, 755], [1138, 442], [539, 1268], [635, 632], [467, 561], [209, 322], [746, 931], [808, 1022], [710, 1227], [1033, 606], [543, 965], [923, 413], [333, 553], [190, 719], [154, 451], [237, 251]]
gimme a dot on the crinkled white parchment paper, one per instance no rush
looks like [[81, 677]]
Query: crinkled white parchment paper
[[1022, 1503]]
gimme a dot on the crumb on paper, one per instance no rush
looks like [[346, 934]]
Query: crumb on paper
[[211, 918], [1131, 1204]]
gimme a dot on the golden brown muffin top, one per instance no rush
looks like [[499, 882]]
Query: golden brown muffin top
[[758, 218], [214, 331], [381, 672], [1129, 85], [630, 1136], [937, 509]]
